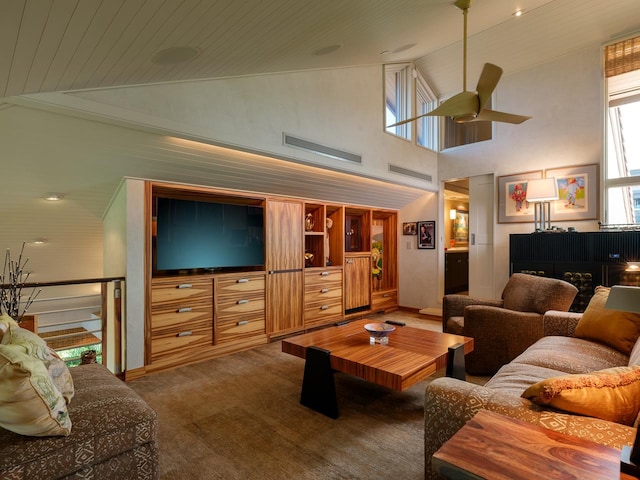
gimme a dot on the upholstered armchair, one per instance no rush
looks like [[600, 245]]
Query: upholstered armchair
[[503, 329]]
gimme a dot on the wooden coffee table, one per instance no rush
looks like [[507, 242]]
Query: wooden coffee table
[[411, 355]]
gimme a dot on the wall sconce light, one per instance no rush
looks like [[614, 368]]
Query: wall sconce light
[[452, 214], [540, 192]]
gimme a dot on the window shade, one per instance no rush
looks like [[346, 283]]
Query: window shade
[[622, 57]]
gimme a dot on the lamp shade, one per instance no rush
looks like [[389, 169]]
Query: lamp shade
[[542, 190], [452, 214], [624, 298]]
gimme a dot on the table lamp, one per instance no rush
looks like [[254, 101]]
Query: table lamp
[[540, 192], [627, 299]]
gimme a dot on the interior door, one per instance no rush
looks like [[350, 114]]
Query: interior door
[[481, 265]]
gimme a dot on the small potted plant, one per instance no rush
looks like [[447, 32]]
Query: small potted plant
[[12, 282]]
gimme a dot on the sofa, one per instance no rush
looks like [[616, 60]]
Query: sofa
[[58, 422], [503, 329], [561, 355]]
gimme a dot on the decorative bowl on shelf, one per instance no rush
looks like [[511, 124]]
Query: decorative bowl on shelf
[[379, 332]]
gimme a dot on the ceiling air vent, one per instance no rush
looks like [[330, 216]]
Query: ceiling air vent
[[410, 173], [320, 149]]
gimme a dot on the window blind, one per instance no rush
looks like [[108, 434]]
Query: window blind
[[622, 57]]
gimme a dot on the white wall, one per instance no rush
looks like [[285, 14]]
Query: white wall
[[565, 98], [420, 270], [341, 108]]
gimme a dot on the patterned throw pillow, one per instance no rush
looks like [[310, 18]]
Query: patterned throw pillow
[[615, 328], [35, 384], [612, 394]]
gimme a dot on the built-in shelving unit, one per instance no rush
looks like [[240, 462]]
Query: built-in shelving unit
[[323, 263]]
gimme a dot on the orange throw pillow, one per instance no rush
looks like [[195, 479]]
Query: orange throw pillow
[[612, 394], [615, 328]]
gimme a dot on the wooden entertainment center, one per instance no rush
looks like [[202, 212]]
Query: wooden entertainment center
[[312, 276]]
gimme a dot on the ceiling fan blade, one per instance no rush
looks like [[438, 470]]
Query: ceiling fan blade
[[464, 103], [402, 122], [493, 116], [487, 82]]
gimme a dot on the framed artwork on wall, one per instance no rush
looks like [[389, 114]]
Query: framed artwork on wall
[[461, 228], [427, 234], [409, 228], [578, 192], [512, 191]]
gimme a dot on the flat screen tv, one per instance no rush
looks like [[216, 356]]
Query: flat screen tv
[[199, 235]]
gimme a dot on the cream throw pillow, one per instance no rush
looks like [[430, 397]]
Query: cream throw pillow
[[612, 394], [31, 401], [615, 328]]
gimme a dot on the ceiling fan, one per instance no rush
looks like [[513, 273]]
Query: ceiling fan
[[470, 106]]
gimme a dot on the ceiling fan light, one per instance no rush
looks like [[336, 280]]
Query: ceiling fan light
[[465, 118]]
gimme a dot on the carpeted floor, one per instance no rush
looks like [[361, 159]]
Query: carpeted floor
[[239, 417]]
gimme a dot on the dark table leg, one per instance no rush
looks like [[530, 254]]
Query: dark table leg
[[318, 386], [455, 362]]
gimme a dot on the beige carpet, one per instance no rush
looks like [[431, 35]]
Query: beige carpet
[[239, 417]]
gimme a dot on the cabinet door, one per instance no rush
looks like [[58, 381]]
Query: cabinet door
[[284, 235], [285, 298], [357, 282], [285, 263]]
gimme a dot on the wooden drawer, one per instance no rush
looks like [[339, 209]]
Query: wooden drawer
[[329, 292], [239, 285], [384, 300], [318, 313], [236, 330], [172, 321], [180, 291], [167, 345], [322, 276]]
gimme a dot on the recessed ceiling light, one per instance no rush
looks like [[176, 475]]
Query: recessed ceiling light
[[327, 50], [53, 196], [518, 13], [174, 55], [38, 241]]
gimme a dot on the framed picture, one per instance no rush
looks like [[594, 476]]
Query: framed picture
[[512, 191], [461, 227], [578, 192], [427, 234], [409, 228]]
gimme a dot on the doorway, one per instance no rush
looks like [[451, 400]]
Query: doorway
[[456, 236]]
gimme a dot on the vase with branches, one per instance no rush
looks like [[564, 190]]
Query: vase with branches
[[12, 282]]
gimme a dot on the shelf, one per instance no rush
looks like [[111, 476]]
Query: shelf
[[69, 338]]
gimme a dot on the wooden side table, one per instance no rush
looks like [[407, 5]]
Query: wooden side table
[[496, 447]]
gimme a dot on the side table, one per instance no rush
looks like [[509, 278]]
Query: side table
[[496, 447]]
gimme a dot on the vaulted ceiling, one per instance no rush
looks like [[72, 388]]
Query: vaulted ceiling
[[60, 45], [74, 45]]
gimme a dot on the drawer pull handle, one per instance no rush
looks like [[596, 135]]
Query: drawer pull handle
[[184, 334], [242, 280], [385, 295], [242, 322], [185, 285], [324, 307], [242, 302], [184, 309], [324, 290], [324, 274], [350, 260]]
